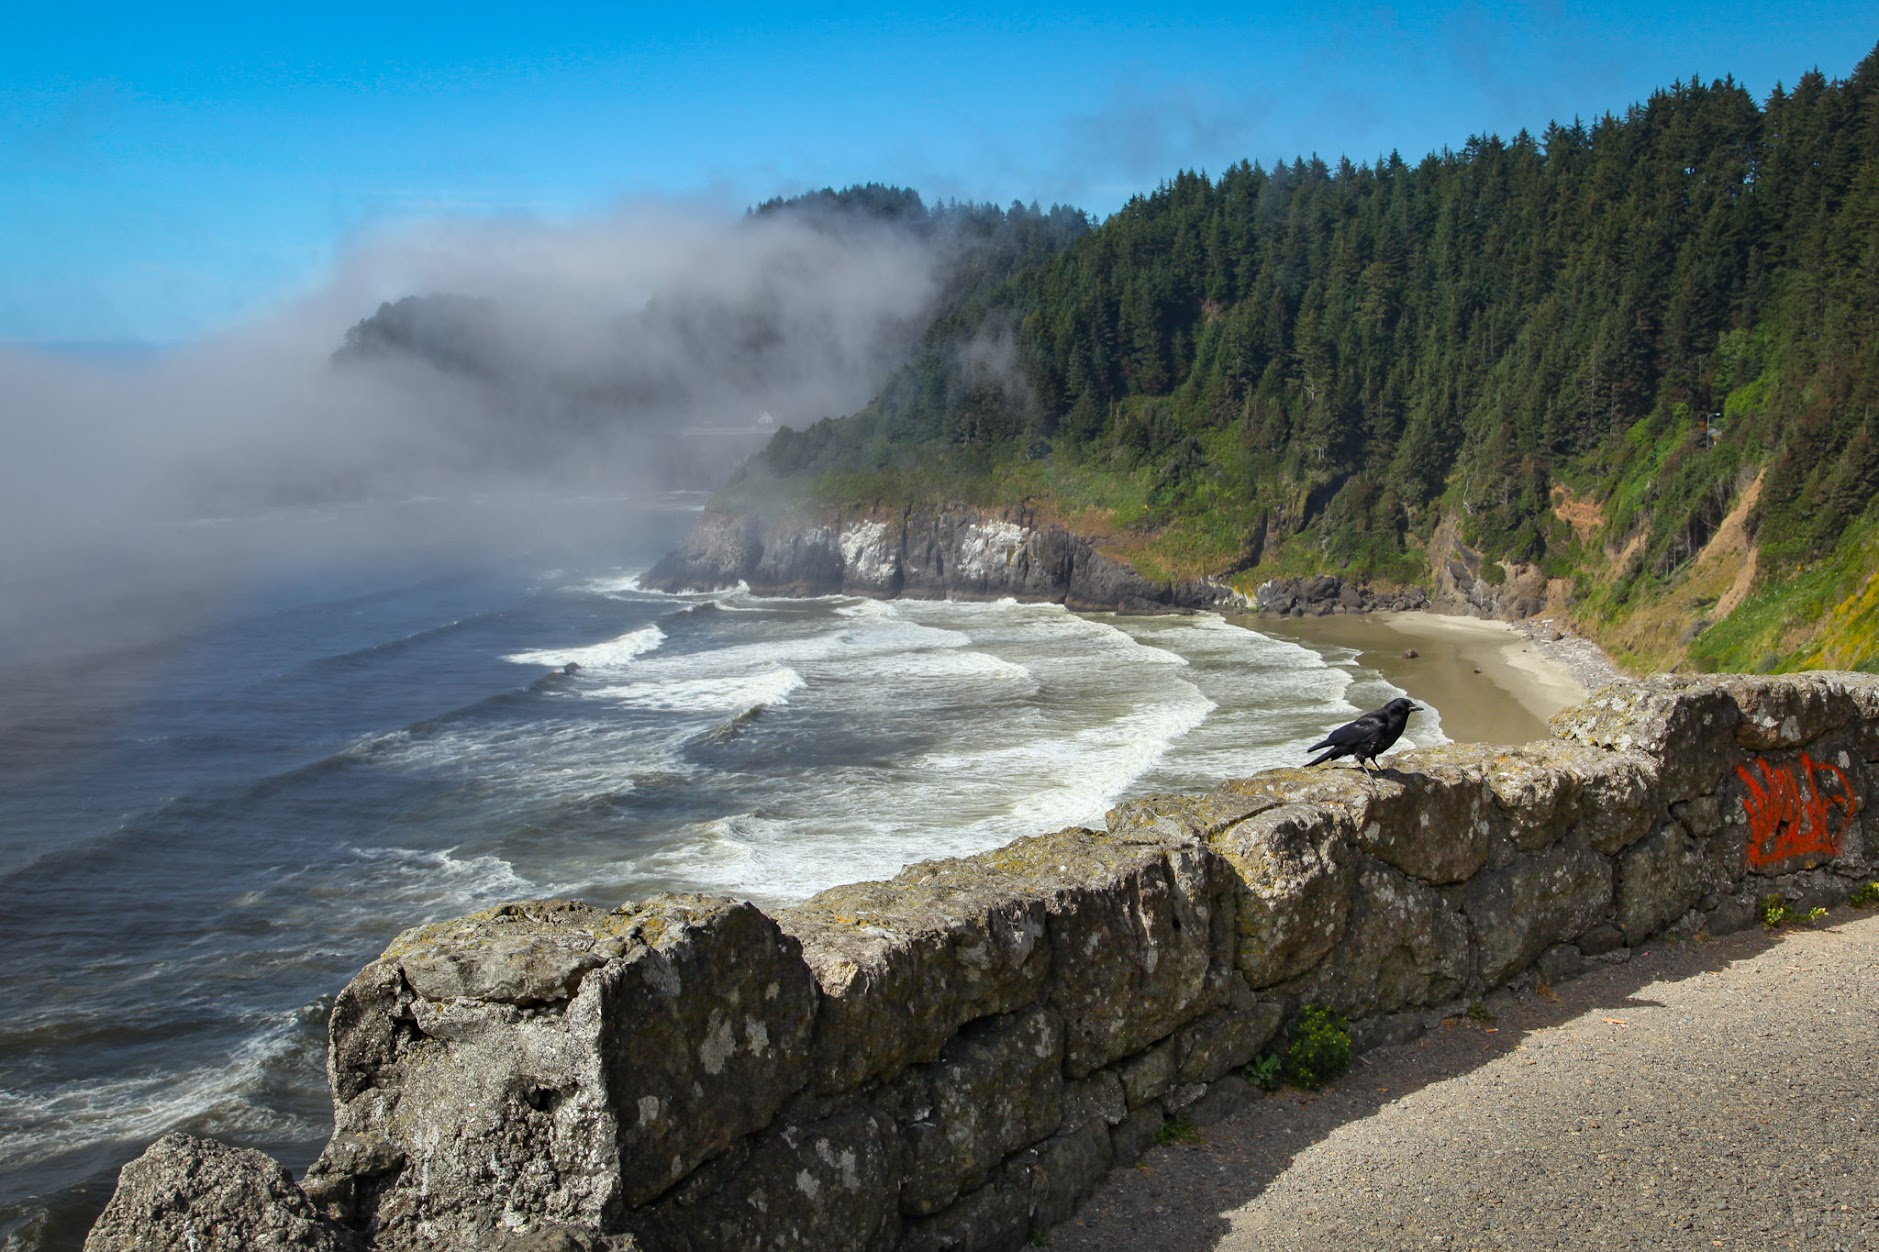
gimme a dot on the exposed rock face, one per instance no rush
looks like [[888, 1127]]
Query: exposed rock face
[[953, 553], [1403, 946], [953, 1058], [1661, 878], [1295, 869], [554, 1063], [1697, 727], [808, 1182], [185, 1192], [1524, 909], [1462, 582], [1467, 582], [721, 550], [997, 1087], [903, 965], [1324, 594]]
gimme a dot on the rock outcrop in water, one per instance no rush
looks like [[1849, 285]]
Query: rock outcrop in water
[[954, 1058], [952, 553]]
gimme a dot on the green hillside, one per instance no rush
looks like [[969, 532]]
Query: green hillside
[[1639, 354]]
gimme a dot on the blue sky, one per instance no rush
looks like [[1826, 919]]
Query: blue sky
[[168, 172]]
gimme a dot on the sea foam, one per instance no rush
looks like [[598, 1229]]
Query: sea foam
[[606, 656], [218, 1097]]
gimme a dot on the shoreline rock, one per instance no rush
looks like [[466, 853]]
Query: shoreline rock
[[954, 553], [1583, 660], [186, 1192], [1321, 595], [961, 553]]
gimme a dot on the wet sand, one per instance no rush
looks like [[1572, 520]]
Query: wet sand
[[1487, 679]]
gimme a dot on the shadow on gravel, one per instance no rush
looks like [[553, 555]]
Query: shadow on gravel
[[1176, 1198]]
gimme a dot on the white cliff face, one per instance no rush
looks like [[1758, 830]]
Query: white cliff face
[[948, 552], [867, 557], [987, 549]]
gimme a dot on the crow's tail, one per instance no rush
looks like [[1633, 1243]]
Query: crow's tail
[[1333, 753]]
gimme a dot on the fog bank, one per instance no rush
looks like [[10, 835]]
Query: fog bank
[[545, 368]]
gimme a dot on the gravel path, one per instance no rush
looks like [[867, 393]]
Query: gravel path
[[1714, 1094]]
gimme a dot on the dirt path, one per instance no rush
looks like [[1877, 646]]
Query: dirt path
[[1718, 1094]]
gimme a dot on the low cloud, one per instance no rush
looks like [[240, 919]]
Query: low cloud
[[621, 355]]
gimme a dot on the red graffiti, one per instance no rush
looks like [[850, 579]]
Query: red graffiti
[[1790, 817]]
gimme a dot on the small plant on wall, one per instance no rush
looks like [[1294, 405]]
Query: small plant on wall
[[1267, 1072], [1321, 1048], [1176, 1130]]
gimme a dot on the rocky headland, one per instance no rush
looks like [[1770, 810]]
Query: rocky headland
[[965, 553], [951, 552]]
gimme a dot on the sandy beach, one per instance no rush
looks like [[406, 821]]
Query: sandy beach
[[1491, 681]]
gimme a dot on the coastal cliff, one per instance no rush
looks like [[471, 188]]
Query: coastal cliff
[[955, 1057], [924, 553], [963, 553], [1462, 582]]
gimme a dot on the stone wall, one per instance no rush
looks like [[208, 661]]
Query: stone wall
[[954, 1058]]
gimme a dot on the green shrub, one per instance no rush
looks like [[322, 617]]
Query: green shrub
[[1321, 1048], [1176, 1130], [1865, 897], [1267, 1072], [1774, 912]]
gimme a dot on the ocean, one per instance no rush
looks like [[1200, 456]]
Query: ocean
[[202, 839]]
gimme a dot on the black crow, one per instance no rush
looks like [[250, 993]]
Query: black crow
[[1367, 735]]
